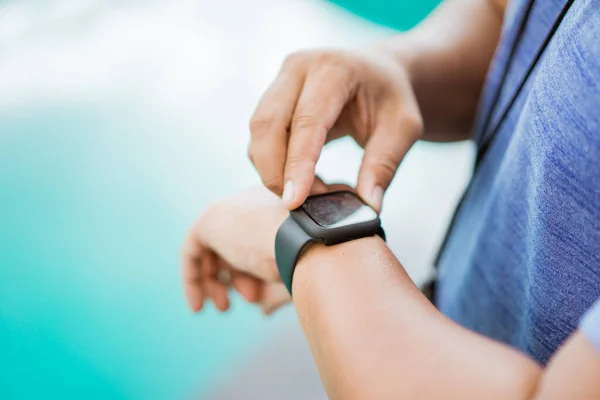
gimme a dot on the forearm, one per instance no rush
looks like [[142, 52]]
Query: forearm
[[447, 57], [374, 335]]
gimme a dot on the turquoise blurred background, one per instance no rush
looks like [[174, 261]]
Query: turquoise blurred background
[[398, 14], [119, 123]]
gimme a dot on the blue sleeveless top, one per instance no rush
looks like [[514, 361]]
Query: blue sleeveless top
[[522, 260]]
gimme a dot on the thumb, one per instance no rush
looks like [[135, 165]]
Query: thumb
[[391, 140]]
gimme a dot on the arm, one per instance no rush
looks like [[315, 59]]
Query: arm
[[375, 336], [424, 84], [371, 331], [448, 56]]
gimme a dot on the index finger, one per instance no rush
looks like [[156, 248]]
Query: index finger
[[192, 275], [270, 122], [323, 98]]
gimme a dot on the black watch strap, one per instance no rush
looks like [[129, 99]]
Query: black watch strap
[[289, 242]]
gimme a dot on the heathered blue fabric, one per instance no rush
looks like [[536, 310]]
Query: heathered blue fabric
[[522, 262]]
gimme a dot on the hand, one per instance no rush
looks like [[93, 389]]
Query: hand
[[232, 244], [320, 96]]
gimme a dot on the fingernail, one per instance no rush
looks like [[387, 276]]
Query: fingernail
[[377, 197], [288, 193]]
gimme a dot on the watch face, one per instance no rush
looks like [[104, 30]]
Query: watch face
[[332, 210]]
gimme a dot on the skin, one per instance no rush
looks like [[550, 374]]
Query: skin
[[347, 295], [424, 84], [208, 257], [371, 331]]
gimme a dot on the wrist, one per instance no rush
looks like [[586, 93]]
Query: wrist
[[401, 51], [330, 218], [319, 263]]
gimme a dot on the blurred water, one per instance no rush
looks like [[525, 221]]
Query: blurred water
[[119, 123]]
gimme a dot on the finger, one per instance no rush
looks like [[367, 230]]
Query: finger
[[218, 293], [216, 290], [247, 286], [318, 186], [270, 122], [274, 296], [210, 265], [193, 286], [393, 136], [349, 122], [192, 274], [323, 97]]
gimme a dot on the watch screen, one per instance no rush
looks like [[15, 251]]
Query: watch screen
[[338, 209]]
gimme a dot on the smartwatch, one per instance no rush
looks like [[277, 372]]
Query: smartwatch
[[329, 218]]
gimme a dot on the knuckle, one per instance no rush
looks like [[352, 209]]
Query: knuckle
[[273, 183], [328, 57], [337, 62], [385, 164], [309, 131], [294, 59], [413, 124], [250, 153], [295, 163], [259, 123], [304, 119], [315, 59]]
